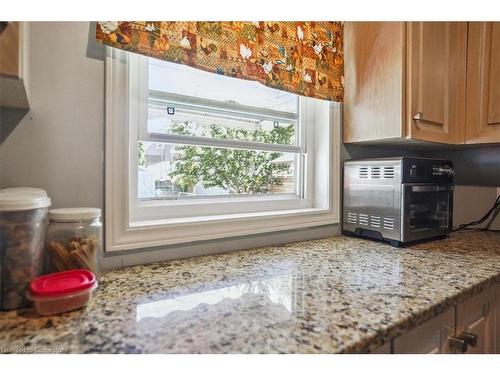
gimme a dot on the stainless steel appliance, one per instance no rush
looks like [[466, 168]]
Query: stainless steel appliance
[[401, 200]]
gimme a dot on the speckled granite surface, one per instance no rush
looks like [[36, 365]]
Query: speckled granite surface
[[333, 295]]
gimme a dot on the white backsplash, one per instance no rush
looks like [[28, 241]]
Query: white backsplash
[[472, 202]]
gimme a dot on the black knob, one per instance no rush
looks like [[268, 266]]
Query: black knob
[[469, 338], [457, 344]]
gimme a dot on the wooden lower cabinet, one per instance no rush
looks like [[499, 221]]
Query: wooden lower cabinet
[[384, 349], [497, 318], [428, 338], [470, 327], [476, 316]]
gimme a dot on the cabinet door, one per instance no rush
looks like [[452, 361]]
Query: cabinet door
[[497, 318], [384, 349], [10, 39], [374, 80], [483, 83], [436, 76], [13, 88], [428, 338], [476, 316]]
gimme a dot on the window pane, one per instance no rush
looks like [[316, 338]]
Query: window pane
[[208, 125], [181, 79], [189, 101], [172, 171]]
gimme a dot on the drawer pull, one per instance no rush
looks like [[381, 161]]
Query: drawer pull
[[469, 338], [457, 344]]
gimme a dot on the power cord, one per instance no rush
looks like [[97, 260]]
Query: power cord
[[493, 210]]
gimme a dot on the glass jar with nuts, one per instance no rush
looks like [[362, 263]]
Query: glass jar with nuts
[[74, 239], [23, 223]]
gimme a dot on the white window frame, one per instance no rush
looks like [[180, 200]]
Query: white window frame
[[146, 210], [133, 224]]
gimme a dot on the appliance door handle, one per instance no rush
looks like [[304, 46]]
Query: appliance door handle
[[430, 188]]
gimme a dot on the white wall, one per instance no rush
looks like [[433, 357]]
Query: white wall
[[58, 146], [472, 202]]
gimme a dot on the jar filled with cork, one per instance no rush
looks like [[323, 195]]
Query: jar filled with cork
[[74, 239]]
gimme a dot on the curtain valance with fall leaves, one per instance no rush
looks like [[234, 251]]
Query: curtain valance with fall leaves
[[305, 58]]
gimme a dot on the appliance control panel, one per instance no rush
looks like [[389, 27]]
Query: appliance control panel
[[444, 170], [421, 170]]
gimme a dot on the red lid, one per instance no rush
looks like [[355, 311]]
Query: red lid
[[60, 283]]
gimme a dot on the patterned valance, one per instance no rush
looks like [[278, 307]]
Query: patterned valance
[[305, 58]]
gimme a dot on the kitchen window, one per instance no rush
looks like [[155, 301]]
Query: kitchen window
[[192, 155]]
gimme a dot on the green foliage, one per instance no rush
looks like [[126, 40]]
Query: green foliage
[[141, 157], [236, 170]]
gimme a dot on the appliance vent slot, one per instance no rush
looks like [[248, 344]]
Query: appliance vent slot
[[363, 172], [363, 219], [375, 221], [388, 172], [388, 223], [351, 217], [375, 172]]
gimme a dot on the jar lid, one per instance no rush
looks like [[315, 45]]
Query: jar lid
[[61, 283], [20, 201], [71, 215], [24, 190]]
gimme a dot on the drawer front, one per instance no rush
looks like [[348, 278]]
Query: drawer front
[[428, 338], [476, 316]]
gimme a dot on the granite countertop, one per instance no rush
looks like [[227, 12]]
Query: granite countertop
[[334, 295]]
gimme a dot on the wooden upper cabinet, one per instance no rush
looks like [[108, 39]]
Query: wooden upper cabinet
[[13, 65], [374, 85], [405, 81], [10, 46], [483, 83], [436, 81]]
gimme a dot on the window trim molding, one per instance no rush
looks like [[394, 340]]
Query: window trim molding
[[120, 234]]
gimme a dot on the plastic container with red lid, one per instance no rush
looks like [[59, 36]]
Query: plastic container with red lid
[[62, 291]]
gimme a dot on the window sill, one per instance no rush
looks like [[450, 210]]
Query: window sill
[[147, 234], [226, 218]]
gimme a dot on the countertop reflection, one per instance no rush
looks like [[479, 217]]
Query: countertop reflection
[[333, 295]]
